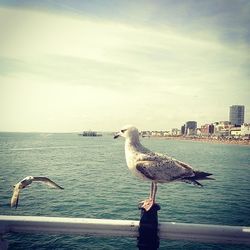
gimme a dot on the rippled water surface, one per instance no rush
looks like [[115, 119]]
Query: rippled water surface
[[98, 185]]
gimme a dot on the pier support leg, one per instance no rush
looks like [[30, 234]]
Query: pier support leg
[[148, 230]]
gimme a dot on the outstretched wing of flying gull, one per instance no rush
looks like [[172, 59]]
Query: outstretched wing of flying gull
[[26, 182]]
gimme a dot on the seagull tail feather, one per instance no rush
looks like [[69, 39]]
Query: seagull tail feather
[[192, 181], [198, 176]]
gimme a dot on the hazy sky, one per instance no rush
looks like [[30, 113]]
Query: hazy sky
[[68, 66]]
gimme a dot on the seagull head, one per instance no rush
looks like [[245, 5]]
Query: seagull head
[[28, 178], [26, 181], [128, 132]]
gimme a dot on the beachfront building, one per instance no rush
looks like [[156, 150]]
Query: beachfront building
[[236, 114], [222, 128], [235, 132], [166, 133], [145, 133], [190, 128], [160, 133], [176, 132], [207, 129], [198, 132], [245, 130], [183, 129]]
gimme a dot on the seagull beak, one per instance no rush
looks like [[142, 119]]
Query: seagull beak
[[117, 135]]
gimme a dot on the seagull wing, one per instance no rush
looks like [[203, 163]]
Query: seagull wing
[[15, 196], [47, 181], [164, 169], [162, 158]]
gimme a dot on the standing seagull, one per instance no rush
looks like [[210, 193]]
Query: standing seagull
[[155, 167], [26, 182]]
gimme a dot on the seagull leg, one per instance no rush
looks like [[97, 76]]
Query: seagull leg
[[154, 191], [151, 190], [148, 203]]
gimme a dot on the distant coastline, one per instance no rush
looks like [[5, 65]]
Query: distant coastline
[[206, 140]]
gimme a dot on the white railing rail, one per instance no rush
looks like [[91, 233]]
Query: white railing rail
[[126, 228]]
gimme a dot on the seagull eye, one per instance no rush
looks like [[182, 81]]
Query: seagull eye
[[123, 130]]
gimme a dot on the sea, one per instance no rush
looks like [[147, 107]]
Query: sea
[[98, 184]]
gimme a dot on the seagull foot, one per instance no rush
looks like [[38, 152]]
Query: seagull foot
[[146, 204]]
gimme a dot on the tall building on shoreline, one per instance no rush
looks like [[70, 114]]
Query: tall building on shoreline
[[190, 128], [236, 114]]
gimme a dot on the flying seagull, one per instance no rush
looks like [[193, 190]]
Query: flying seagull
[[155, 167], [26, 182]]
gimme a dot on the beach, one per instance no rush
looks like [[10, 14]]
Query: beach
[[206, 140]]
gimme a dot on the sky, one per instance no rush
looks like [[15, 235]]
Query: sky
[[68, 66]]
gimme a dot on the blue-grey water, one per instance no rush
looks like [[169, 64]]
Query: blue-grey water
[[98, 184]]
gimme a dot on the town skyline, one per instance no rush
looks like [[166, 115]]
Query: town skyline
[[227, 121], [79, 65], [199, 124]]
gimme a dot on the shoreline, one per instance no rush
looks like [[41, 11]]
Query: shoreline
[[206, 140]]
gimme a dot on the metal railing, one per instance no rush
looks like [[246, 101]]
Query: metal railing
[[124, 228]]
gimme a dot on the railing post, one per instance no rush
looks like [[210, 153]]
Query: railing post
[[148, 229]]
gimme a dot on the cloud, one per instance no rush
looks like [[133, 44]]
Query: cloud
[[86, 47], [103, 70]]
